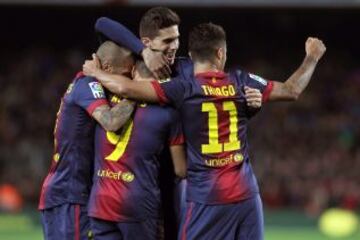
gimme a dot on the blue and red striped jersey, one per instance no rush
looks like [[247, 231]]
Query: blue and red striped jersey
[[69, 178], [214, 115], [126, 186]]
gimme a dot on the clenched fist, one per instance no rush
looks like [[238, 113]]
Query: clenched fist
[[314, 48]]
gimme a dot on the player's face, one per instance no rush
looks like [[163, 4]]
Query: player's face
[[167, 41]]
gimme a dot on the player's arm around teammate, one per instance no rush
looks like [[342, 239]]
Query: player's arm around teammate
[[290, 90], [142, 89], [112, 119]]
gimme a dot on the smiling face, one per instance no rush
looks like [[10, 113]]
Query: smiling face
[[166, 41], [159, 31]]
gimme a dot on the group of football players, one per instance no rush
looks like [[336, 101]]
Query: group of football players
[[136, 108]]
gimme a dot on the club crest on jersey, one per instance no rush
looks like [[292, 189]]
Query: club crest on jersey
[[97, 90], [164, 80], [258, 79]]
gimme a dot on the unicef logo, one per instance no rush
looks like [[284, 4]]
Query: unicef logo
[[127, 177], [238, 157]]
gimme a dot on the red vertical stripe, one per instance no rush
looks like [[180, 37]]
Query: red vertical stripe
[[159, 92], [187, 220], [77, 222]]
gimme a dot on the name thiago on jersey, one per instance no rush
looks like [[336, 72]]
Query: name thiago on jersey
[[223, 91]]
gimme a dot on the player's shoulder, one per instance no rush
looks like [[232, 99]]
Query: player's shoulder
[[183, 60], [163, 113], [86, 82], [81, 79], [244, 77], [82, 84], [183, 66], [238, 73]]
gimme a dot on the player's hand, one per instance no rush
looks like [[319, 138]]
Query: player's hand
[[92, 67], [157, 63], [314, 48], [253, 97]]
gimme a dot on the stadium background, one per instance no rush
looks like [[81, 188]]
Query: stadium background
[[306, 154]]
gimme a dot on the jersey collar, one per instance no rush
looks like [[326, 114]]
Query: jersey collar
[[211, 74]]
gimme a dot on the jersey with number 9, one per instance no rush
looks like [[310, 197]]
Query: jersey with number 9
[[127, 164]]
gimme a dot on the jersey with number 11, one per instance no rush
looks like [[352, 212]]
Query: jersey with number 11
[[215, 115]]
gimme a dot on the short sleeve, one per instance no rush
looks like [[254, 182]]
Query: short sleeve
[[255, 81], [170, 91], [89, 94], [176, 136]]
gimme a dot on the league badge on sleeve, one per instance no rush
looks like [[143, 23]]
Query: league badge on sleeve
[[97, 90], [258, 79]]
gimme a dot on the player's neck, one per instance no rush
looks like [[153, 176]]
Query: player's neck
[[205, 67]]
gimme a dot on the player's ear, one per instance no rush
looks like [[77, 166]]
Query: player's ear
[[220, 53], [107, 67], [133, 71], [146, 41]]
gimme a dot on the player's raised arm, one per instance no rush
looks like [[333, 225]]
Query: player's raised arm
[[112, 119], [118, 33], [119, 84], [297, 82]]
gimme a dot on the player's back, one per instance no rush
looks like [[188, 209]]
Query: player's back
[[215, 120], [214, 114], [69, 178]]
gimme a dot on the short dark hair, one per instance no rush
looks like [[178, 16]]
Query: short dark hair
[[156, 19], [204, 40]]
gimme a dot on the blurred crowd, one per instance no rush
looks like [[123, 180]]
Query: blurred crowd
[[306, 154], [32, 86]]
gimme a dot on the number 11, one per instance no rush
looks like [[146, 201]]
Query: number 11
[[214, 146]]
